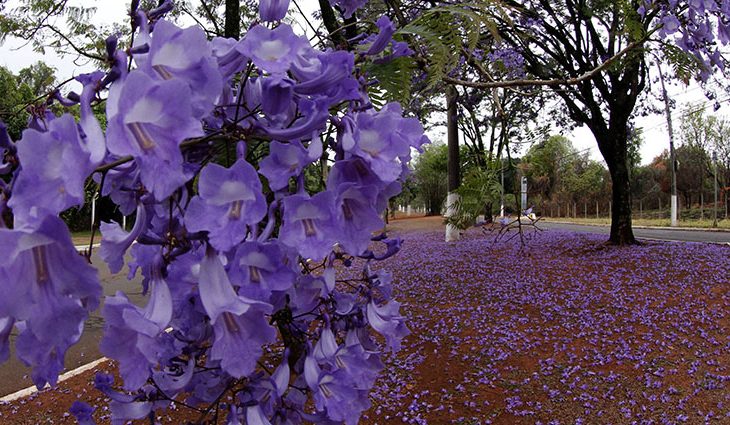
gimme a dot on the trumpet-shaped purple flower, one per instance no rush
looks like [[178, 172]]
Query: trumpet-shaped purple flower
[[115, 241], [148, 120], [276, 95], [239, 324], [135, 336], [82, 412], [335, 392], [6, 326], [49, 290], [385, 36], [313, 120], [285, 160], [309, 224], [273, 10], [356, 217], [230, 200], [230, 60], [55, 166], [383, 139], [388, 322], [272, 50], [260, 268], [332, 71], [184, 55], [349, 7]]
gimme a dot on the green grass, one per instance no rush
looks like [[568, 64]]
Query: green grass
[[650, 222], [80, 238]]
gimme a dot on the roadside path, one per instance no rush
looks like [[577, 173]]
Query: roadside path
[[653, 233]]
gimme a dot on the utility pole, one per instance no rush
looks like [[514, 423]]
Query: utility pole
[[714, 177], [501, 194], [672, 157], [452, 166]]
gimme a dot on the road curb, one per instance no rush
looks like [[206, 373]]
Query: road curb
[[683, 229], [25, 392]]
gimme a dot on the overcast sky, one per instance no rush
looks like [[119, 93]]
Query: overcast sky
[[15, 54]]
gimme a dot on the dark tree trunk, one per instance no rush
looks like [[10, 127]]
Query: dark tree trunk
[[613, 147], [452, 139], [233, 19]]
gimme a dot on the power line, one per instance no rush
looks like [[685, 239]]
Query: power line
[[684, 114]]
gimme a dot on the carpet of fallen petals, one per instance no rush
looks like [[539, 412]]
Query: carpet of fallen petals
[[562, 330]]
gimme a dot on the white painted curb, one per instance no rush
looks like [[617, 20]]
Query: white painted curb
[[70, 374]]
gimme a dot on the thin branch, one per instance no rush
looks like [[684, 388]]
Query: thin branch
[[73, 46], [211, 17], [552, 82]]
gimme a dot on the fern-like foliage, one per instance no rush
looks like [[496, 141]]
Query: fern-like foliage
[[395, 79], [479, 187], [442, 33], [684, 65]]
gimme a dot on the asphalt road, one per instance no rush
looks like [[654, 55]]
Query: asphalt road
[[684, 235], [14, 375]]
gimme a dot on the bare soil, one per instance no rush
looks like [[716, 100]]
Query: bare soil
[[561, 330]]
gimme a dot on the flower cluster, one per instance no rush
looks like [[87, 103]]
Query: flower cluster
[[696, 27], [207, 143]]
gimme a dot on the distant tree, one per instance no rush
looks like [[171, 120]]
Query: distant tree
[[430, 177], [39, 77], [696, 128], [692, 171], [544, 166], [13, 96]]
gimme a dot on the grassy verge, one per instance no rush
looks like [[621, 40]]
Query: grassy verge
[[650, 222]]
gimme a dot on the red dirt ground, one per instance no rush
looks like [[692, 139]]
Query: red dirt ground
[[564, 330]]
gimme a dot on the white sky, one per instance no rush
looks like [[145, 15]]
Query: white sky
[[15, 54]]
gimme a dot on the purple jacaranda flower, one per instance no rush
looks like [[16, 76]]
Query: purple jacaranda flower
[[335, 392], [273, 10], [327, 76], [124, 406], [384, 139], [348, 6], [148, 120], [387, 321], [122, 184], [260, 268], [332, 69], [285, 160], [670, 25], [40, 117], [230, 60], [115, 241], [239, 323], [173, 378], [272, 50], [93, 135], [55, 166], [308, 224], [356, 216], [6, 326], [184, 55], [229, 201], [82, 412], [49, 290], [135, 337], [387, 29], [7, 147], [313, 120], [276, 94]]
